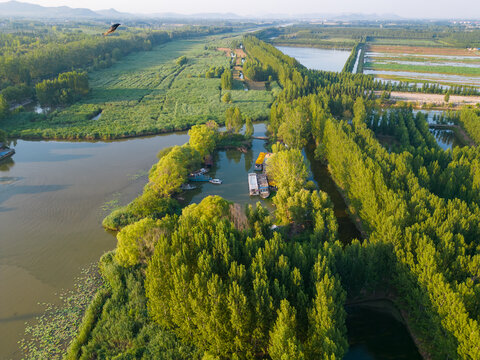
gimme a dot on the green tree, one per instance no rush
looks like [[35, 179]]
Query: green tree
[[283, 342], [234, 119], [294, 128], [227, 98], [248, 127], [202, 139], [136, 242], [3, 107], [227, 80], [288, 169], [182, 60]]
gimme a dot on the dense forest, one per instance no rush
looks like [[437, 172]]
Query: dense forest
[[346, 36]]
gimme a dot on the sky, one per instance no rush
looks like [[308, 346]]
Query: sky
[[404, 8]]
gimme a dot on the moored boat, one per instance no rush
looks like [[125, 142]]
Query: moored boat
[[187, 187], [253, 184], [263, 186], [259, 162], [199, 177], [6, 152], [215, 181]]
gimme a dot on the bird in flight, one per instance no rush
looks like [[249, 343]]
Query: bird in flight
[[112, 29]]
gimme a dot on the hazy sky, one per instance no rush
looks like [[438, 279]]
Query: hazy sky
[[406, 8]]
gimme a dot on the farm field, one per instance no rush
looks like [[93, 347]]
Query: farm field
[[416, 64], [410, 42], [437, 99], [148, 93]]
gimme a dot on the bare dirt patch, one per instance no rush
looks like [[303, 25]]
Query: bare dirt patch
[[239, 52], [255, 85], [422, 50], [437, 99]]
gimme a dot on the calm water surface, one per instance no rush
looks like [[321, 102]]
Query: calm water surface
[[378, 335], [447, 139], [317, 59], [51, 197]]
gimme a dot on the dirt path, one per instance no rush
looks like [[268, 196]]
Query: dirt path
[[438, 99]]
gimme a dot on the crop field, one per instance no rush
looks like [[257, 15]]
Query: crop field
[[411, 42], [148, 93], [416, 64]]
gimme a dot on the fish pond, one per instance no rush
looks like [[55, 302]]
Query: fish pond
[[317, 59]]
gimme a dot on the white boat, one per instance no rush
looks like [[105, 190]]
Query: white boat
[[253, 184], [187, 187], [215, 181]]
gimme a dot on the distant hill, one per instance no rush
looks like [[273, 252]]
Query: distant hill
[[26, 10]]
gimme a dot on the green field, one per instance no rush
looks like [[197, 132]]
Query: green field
[[409, 42], [449, 70], [148, 93], [421, 59]]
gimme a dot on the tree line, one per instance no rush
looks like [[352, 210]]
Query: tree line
[[429, 237]]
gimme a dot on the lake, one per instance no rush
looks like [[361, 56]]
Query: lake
[[317, 59], [51, 197]]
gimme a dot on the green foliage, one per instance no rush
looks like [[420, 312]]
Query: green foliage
[[234, 119], [88, 322], [122, 328], [248, 127], [182, 60], [227, 80], [288, 169], [172, 170], [214, 72], [283, 339], [202, 139], [227, 292], [136, 242], [470, 120], [143, 94], [227, 98], [350, 64], [3, 107], [66, 89]]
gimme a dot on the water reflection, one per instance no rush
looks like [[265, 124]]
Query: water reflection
[[376, 334], [446, 139], [347, 231], [51, 198]]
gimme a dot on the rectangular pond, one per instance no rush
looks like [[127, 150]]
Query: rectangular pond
[[317, 59]]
